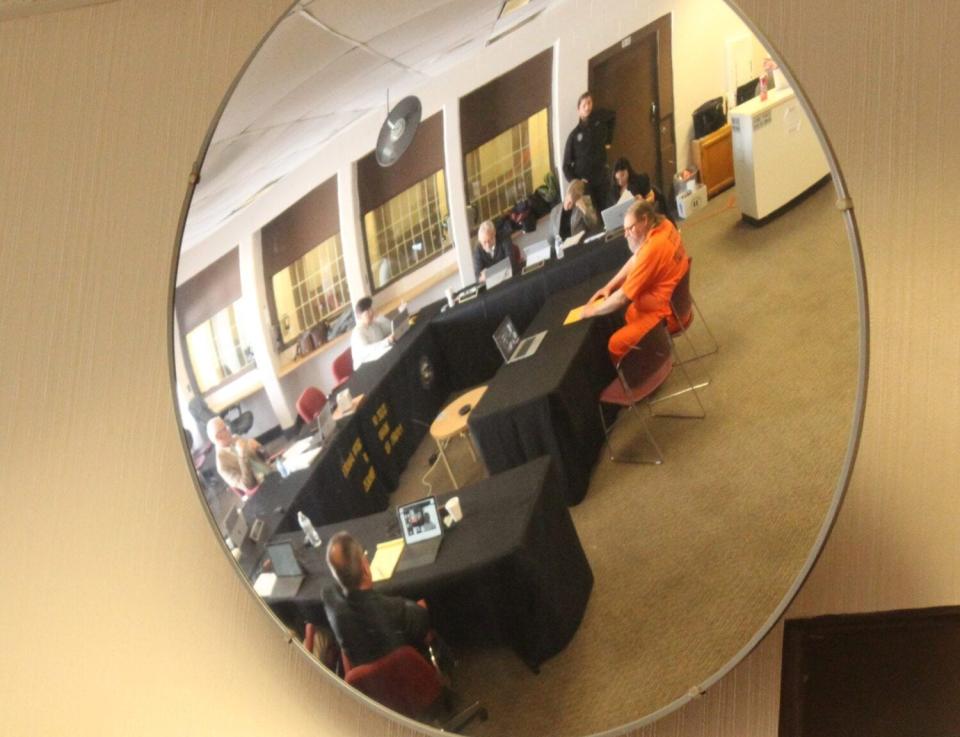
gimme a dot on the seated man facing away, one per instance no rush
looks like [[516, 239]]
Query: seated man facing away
[[372, 336], [575, 214], [647, 279], [490, 250], [239, 460], [366, 623]]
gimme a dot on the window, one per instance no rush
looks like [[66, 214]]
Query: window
[[218, 348], [508, 167], [407, 230], [311, 290]]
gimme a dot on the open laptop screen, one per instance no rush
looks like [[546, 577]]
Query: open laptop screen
[[401, 323], [501, 270], [536, 252], [506, 337], [326, 425], [613, 216], [420, 520]]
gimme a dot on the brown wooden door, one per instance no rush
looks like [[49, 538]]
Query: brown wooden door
[[634, 79]]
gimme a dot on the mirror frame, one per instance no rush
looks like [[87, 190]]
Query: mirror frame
[[844, 204]]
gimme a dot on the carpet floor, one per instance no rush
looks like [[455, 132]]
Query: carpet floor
[[691, 558]]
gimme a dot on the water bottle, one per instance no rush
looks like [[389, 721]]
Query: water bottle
[[558, 247], [309, 531]]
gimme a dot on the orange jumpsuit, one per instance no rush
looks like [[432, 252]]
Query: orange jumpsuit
[[661, 263]]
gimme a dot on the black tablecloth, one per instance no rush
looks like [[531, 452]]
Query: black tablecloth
[[513, 571], [340, 483], [464, 334], [547, 404], [403, 392], [406, 388]]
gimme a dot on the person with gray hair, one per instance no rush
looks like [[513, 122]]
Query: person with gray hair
[[366, 623], [239, 460], [490, 249], [645, 284]]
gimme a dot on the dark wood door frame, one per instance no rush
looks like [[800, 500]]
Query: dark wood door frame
[[666, 144], [884, 674]]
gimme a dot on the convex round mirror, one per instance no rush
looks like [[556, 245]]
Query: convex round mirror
[[579, 594]]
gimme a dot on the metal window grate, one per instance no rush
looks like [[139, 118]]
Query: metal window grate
[[311, 289], [407, 230], [507, 168]]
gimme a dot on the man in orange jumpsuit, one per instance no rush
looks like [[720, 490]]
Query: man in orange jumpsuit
[[646, 281]]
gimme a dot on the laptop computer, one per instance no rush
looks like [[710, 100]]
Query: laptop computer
[[613, 216], [401, 324], [326, 424], [536, 254], [511, 347], [500, 271], [235, 526], [422, 533]]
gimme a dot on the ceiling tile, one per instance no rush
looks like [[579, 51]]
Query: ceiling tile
[[364, 21], [292, 54]]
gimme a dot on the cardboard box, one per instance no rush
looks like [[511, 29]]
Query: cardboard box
[[692, 201]]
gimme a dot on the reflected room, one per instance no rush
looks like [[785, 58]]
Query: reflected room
[[394, 202]]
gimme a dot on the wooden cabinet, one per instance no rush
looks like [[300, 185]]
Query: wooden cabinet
[[713, 156]]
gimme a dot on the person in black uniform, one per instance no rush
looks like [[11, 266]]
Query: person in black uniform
[[585, 155], [366, 623]]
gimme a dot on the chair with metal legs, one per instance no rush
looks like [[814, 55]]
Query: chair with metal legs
[[683, 305], [643, 370]]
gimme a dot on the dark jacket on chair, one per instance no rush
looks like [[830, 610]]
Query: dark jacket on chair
[[368, 624]]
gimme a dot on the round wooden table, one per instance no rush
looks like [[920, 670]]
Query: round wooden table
[[452, 423]]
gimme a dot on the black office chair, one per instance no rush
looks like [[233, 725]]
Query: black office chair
[[238, 420]]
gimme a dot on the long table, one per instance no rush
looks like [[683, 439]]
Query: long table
[[464, 333], [445, 351], [512, 571], [546, 404]]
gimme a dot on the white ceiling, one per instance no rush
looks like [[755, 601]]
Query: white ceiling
[[324, 67]]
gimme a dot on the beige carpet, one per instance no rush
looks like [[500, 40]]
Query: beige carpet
[[691, 557]]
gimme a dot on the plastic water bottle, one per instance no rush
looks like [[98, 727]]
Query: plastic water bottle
[[558, 247], [313, 537]]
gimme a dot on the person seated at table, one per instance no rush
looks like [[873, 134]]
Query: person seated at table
[[366, 623], [239, 460], [630, 184], [492, 248], [575, 214], [645, 283], [372, 336]]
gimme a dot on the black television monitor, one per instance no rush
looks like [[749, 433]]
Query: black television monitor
[[710, 116], [747, 91]]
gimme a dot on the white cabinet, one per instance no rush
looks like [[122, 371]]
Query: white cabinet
[[776, 153]]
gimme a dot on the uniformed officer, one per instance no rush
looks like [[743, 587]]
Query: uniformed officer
[[585, 155]]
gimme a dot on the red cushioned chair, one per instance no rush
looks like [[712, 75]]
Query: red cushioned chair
[[682, 304], [405, 681], [342, 367], [245, 494], [643, 370], [311, 403]]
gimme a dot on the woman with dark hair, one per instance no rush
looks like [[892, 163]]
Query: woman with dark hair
[[628, 183]]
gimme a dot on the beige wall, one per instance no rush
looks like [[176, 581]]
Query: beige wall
[[119, 613]]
